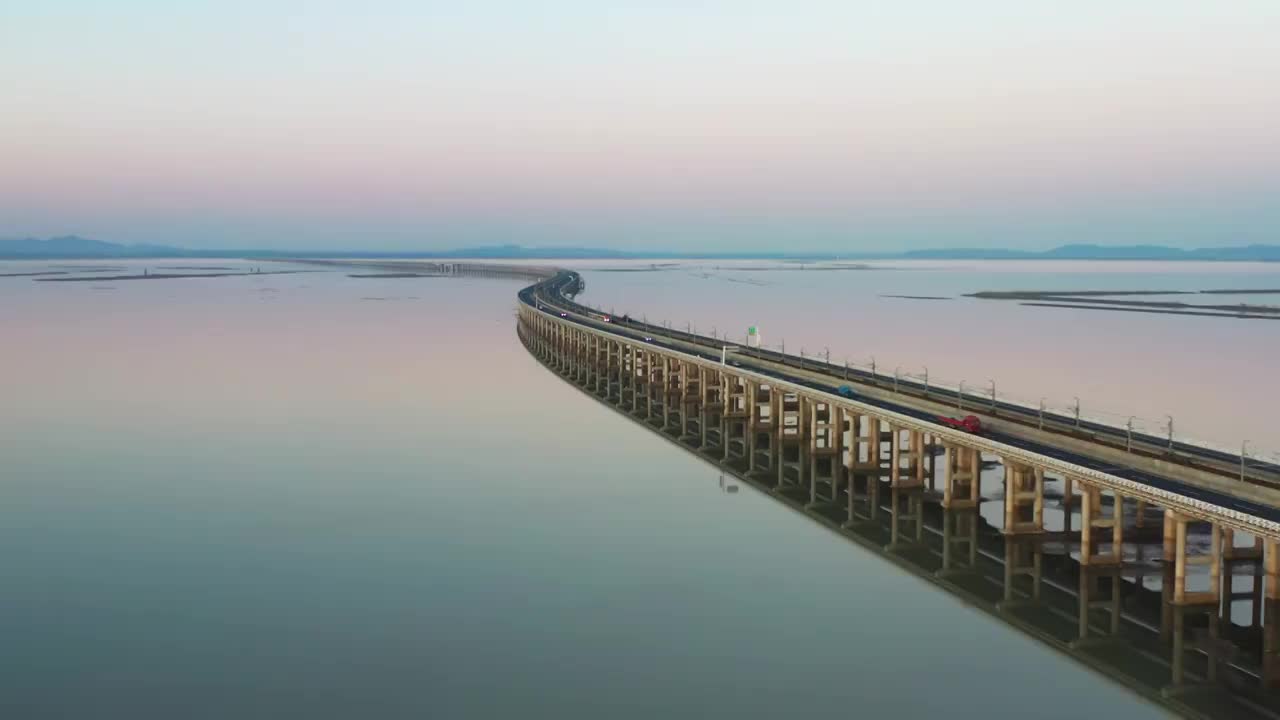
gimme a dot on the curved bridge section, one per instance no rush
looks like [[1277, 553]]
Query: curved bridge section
[[886, 471]]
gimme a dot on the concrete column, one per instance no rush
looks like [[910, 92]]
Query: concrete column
[[1068, 500], [1093, 520], [633, 380], [838, 468], [726, 421], [684, 401], [812, 421], [916, 454], [673, 394], [895, 456], [775, 431], [779, 438], [963, 486], [1023, 496], [1271, 615], [704, 405], [932, 455], [826, 450], [1181, 561]]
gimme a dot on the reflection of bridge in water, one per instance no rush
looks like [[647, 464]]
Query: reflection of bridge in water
[[1163, 577]]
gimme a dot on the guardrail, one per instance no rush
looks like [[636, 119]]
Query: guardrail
[[1259, 467]]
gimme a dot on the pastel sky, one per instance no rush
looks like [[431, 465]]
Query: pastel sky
[[672, 124]]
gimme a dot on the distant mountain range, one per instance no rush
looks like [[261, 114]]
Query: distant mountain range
[[74, 247], [71, 246]]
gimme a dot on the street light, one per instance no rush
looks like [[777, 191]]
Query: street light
[[1170, 418], [827, 353], [993, 394], [1041, 413], [1128, 427], [960, 396], [926, 379], [873, 369], [1077, 412], [1244, 453], [896, 372]]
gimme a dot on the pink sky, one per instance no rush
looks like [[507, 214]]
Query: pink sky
[[418, 126]]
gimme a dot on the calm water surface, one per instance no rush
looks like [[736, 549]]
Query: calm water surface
[[317, 496]]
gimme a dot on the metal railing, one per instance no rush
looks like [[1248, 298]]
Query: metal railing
[[1132, 432]]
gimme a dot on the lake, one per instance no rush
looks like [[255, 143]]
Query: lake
[[319, 496]]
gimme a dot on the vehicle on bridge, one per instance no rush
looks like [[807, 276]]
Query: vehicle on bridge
[[846, 391], [969, 423]]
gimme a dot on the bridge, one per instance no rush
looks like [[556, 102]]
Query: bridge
[[1169, 582]]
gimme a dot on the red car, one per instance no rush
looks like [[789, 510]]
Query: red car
[[970, 423]]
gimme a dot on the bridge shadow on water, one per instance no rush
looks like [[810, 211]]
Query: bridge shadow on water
[[1197, 660]]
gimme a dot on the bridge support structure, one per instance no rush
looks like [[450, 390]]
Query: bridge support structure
[[826, 453], [811, 446], [1094, 523], [1023, 498], [963, 488]]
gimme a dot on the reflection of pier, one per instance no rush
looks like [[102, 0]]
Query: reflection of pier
[[1160, 592]]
